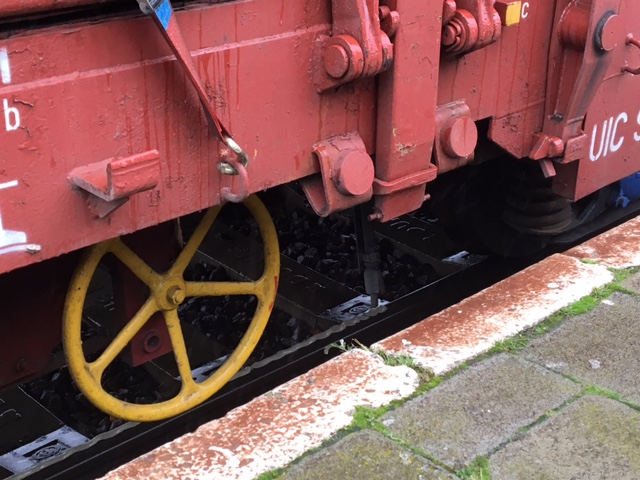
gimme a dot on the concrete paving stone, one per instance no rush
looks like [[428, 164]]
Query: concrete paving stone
[[473, 326], [616, 248], [275, 428], [365, 455], [632, 283], [593, 439], [601, 347], [475, 411]]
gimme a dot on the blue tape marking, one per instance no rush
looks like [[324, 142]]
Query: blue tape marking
[[164, 13]]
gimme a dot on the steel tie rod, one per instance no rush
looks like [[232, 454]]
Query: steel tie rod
[[163, 14]]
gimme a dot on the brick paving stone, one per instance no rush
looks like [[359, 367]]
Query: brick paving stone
[[365, 455], [594, 438], [632, 283], [475, 411], [601, 347]]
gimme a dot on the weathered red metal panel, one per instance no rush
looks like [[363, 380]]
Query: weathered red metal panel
[[11, 8], [80, 94], [406, 109], [612, 120], [506, 81]]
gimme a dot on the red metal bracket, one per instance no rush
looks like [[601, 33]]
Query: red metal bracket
[[587, 31], [407, 94], [346, 177], [119, 178], [110, 183], [469, 25], [456, 136], [359, 46]]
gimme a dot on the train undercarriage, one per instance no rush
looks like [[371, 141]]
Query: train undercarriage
[[505, 121]]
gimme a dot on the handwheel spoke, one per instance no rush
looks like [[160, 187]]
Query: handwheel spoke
[[192, 245], [123, 338], [220, 289], [167, 291], [180, 351], [134, 263]]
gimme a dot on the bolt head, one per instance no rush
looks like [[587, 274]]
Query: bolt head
[[175, 296], [460, 138], [354, 173], [336, 61], [609, 33]]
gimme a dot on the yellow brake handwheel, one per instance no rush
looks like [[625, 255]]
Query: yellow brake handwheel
[[168, 291]]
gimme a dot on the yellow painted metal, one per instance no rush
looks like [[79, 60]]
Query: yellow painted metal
[[168, 291], [509, 11]]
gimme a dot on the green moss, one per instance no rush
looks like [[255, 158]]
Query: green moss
[[620, 275], [589, 262], [603, 392], [477, 470], [510, 345], [271, 475]]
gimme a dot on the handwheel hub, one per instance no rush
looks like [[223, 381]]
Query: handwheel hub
[[171, 294], [175, 295]]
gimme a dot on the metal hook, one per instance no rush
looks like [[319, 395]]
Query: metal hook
[[226, 192], [631, 40]]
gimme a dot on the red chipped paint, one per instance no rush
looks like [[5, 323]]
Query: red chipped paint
[[275, 428], [617, 248], [471, 327]]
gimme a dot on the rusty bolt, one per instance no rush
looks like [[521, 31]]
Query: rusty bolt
[[460, 138], [336, 61]]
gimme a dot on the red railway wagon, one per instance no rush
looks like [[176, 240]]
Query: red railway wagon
[[115, 120]]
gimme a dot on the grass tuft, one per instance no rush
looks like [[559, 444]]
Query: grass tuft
[[477, 470]]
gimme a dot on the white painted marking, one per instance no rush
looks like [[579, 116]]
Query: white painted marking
[[11, 116], [525, 9], [610, 140], [11, 240], [10, 237], [615, 145], [594, 134], [5, 67], [12, 183]]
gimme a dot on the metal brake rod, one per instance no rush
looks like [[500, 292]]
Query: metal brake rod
[[162, 13]]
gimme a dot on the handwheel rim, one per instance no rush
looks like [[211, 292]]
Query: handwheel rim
[[88, 378]]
